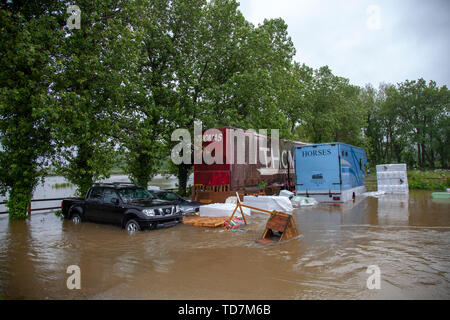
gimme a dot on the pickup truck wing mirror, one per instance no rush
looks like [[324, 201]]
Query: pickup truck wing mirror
[[115, 201]]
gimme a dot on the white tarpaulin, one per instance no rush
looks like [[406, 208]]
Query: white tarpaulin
[[299, 201], [221, 210], [374, 194], [270, 203], [286, 193], [231, 200]]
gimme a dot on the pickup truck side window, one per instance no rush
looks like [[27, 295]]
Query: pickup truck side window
[[109, 194], [96, 194]]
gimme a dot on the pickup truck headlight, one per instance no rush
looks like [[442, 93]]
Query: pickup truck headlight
[[177, 208], [149, 212]]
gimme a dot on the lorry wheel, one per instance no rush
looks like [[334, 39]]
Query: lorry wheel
[[76, 218], [132, 226]]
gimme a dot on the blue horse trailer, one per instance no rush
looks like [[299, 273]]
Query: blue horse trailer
[[330, 172]]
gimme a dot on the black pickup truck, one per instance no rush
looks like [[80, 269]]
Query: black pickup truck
[[125, 204]]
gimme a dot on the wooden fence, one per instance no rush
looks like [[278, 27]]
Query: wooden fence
[[30, 209]]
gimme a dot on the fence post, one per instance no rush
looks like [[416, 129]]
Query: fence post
[[29, 210]]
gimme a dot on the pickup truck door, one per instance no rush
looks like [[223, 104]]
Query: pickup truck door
[[93, 204], [111, 212]]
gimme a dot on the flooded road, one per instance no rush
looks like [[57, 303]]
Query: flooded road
[[408, 238]]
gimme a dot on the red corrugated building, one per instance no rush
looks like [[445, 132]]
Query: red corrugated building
[[258, 163]]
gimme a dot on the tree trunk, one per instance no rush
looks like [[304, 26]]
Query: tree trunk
[[183, 171], [423, 154], [18, 201], [432, 152], [419, 156], [81, 176], [142, 175]]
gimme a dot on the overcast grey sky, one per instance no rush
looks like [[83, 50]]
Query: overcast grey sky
[[366, 41]]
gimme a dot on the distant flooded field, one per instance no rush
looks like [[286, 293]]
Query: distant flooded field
[[407, 237]]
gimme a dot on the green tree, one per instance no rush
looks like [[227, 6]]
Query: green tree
[[422, 108], [256, 89], [335, 111], [295, 96], [95, 64], [372, 131], [209, 58], [237, 82], [29, 34], [169, 30], [408, 123], [441, 127]]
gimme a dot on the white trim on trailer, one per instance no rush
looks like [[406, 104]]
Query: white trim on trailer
[[324, 195]]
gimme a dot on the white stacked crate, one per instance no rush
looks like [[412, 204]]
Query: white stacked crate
[[392, 178]]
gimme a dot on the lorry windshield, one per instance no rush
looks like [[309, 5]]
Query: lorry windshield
[[130, 194]]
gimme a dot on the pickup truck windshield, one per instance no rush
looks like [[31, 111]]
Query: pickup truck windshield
[[130, 194]]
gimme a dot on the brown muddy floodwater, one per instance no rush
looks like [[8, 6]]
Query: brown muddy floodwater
[[407, 237]]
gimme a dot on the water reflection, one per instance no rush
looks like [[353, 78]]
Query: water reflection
[[393, 209]]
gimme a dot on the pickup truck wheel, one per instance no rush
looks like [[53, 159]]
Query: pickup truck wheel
[[132, 226], [76, 218]]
